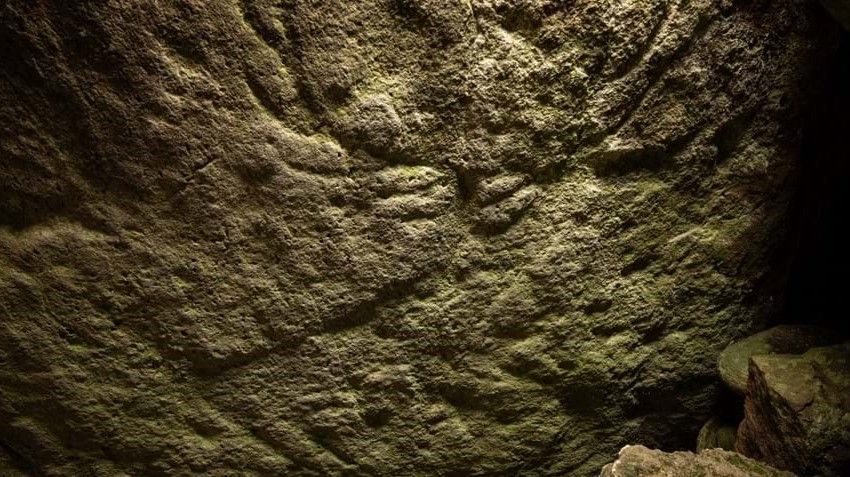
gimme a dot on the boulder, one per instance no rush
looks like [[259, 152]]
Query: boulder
[[733, 363], [797, 411], [9, 465], [717, 434], [639, 461]]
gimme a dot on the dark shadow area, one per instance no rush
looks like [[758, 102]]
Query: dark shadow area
[[815, 257], [818, 286]]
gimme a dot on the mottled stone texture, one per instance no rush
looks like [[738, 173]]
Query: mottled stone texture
[[733, 364], [638, 461], [798, 411], [384, 237]]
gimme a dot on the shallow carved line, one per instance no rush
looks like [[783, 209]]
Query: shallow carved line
[[657, 74]]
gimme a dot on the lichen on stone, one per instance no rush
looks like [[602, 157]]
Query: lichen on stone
[[384, 237]]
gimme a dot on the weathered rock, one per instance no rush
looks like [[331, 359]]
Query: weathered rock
[[717, 434], [798, 411], [638, 461], [840, 9], [733, 364], [384, 237]]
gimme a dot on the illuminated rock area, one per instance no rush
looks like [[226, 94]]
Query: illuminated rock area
[[798, 411], [385, 237], [638, 461]]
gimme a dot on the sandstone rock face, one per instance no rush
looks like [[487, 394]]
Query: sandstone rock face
[[638, 461], [798, 411], [734, 362], [383, 237]]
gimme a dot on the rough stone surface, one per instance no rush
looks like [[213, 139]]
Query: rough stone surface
[[840, 9], [384, 237], [717, 434], [797, 412], [638, 461], [733, 364]]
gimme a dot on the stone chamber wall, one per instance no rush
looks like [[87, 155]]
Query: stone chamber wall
[[403, 237]]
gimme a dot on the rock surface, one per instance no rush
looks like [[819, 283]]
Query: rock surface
[[734, 362], [797, 412], [384, 237], [717, 434], [638, 461]]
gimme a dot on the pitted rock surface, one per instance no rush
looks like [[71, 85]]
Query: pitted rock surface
[[384, 237], [797, 411], [638, 461]]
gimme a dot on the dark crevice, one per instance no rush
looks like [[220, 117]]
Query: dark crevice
[[817, 284], [728, 136]]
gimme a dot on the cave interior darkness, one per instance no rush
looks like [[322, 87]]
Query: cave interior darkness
[[817, 283]]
